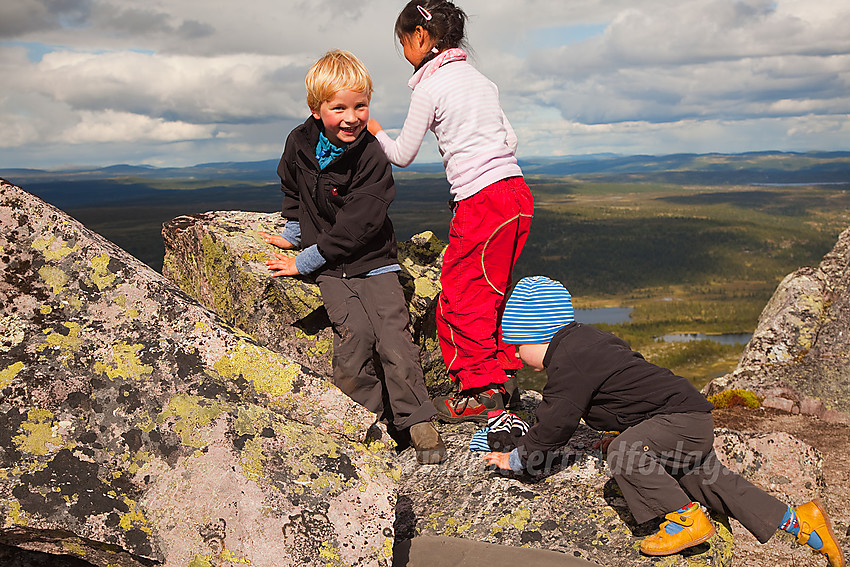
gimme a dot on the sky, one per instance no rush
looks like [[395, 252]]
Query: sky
[[183, 82]]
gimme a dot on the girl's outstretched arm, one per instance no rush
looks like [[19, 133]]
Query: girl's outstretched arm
[[402, 151]]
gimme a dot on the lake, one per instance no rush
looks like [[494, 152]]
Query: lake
[[726, 338], [618, 315]]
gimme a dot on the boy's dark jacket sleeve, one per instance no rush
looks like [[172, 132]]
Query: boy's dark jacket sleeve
[[593, 374], [286, 171]]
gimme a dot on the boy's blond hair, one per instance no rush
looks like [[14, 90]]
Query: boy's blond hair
[[335, 71]]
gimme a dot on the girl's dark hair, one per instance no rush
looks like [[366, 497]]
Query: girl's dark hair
[[446, 26]]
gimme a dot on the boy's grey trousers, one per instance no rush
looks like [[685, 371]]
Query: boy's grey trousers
[[667, 461], [375, 361]]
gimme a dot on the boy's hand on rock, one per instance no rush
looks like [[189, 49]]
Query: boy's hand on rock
[[284, 265], [276, 240], [498, 459]]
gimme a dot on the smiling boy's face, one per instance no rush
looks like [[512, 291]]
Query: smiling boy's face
[[344, 115]]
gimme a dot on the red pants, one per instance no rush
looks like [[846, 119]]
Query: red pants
[[486, 236]]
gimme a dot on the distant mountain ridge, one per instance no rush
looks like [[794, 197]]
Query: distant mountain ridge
[[711, 168]]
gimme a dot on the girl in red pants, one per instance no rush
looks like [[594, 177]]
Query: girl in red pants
[[492, 205]]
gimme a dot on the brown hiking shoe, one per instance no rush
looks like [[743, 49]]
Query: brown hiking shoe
[[470, 405], [429, 446]]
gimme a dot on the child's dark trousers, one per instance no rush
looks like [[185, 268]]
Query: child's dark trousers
[[370, 320], [668, 460]]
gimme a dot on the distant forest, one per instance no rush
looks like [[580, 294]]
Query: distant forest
[[688, 216]]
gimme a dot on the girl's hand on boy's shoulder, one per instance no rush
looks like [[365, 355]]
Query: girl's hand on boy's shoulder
[[284, 265], [276, 240], [373, 126], [500, 460]]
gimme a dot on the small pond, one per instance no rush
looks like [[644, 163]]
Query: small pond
[[619, 315], [726, 338]]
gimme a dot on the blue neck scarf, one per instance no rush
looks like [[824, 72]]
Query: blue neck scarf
[[326, 152]]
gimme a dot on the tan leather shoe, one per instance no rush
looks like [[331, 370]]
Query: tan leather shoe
[[813, 519], [696, 528], [429, 446]]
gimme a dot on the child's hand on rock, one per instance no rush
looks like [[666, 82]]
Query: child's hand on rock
[[276, 240], [498, 459]]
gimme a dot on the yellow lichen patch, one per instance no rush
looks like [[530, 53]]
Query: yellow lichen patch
[[132, 518], [145, 423], [216, 266], [329, 554], [251, 458], [47, 248], [39, 433], [191, 414], [516, 519], [127, 363], [244, 422], [230, 557], [7, 375], [101, 276], [387, 550], [74, 301], [202, 328], [55, 277], [73, 547], [201, 561], [453, 526], [425, 288], [65, 343], [45, 310], [15, 516], [140, 459], [271, 373]]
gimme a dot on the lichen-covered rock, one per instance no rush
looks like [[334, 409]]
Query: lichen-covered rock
[[219, 259], [777, 462], [136, 427], [576, 509], [800, 350]]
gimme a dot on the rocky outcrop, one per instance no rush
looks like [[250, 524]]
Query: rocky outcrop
[[799, 357], [219, 258], [576, 509], [137, 428]]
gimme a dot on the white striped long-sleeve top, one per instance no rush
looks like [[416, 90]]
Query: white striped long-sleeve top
[[461, 106]]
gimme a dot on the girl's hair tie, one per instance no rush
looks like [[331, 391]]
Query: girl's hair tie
[[425, 13]]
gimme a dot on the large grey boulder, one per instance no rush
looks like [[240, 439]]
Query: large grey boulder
[[799, 356], [219, 258], [137, 428], [576, 509]]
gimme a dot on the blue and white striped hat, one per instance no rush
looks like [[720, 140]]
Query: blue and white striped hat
[[537, 309]]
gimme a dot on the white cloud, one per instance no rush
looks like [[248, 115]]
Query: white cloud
[[120, 127], [157, 80]]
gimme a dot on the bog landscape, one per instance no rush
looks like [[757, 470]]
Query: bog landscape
[[687, 247]]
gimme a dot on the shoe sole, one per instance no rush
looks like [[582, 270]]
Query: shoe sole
[[828, 524], [480, 418], [693, 543], [430, 457]]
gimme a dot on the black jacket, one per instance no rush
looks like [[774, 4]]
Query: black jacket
[[343, 208], [595, 375]]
